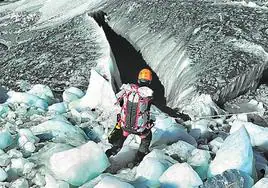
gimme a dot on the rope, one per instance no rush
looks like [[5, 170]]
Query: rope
[[225, 115]]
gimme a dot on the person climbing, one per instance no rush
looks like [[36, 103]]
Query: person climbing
[[135, 116]]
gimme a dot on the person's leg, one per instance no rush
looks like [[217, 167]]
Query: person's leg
[[117, 139], [144, 146]]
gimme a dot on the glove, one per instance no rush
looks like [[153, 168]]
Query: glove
[[111, 151]]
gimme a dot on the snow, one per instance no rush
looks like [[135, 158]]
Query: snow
[[61, 130], [5, 139], [3, 175], [258, 135], [72, 94], [235, 153], [167, 131], [99, 94], [65, 9], [112, 182], [180, 175], [261, 183], [79, 165]]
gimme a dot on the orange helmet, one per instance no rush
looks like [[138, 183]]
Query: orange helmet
[[145, 75]]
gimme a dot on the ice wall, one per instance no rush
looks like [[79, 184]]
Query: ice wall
[[212, 47]]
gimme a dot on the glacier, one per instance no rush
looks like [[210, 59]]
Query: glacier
[[209, 47], [60, 78]]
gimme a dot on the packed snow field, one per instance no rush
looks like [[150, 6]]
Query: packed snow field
[[57, 141]]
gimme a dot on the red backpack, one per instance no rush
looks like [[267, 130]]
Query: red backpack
[[135, 111]]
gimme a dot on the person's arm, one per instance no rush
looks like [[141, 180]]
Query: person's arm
[[120, 95]]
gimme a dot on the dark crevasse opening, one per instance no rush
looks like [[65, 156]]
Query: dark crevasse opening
[[264, 79], [130, 62]]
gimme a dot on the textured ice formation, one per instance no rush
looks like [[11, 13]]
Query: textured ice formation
[[43, 92], [4, 158], [180, 175], [72, 94], [235, 153], [199, 161], [3, 175], [27, 140], [3, 110], [99, 94], [180, 149], [153, 166], [20, 183], [258, 135], [167, 131], [78, 165], [62, 131], [57, 51], [51, 182], [58, 108], [229, 178], [5, 139], [28, 99], [112, 182], [194, 47]]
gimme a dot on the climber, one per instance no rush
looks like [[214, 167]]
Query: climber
[[135, 116]]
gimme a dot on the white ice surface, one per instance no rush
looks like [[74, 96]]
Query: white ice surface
[[26, 98], [79, 165], [258, 135], [62, 131], [167, 131], [99, 94], [3, 175], [42, 91], [51, 182], [180, 175], [262, 183], [58, 108], [235, 153], [5, 139], [180, 148], [112, 182], [199, 161], [72, 94]]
